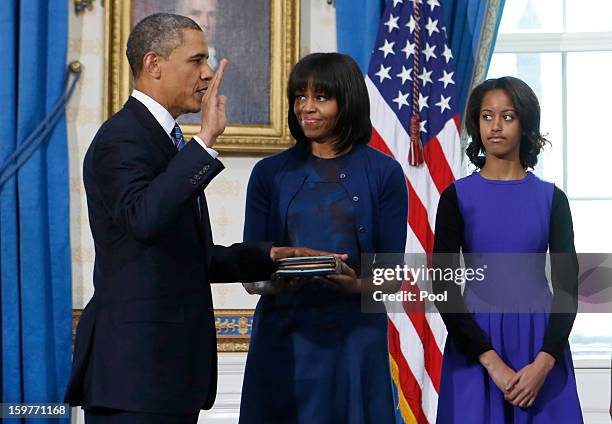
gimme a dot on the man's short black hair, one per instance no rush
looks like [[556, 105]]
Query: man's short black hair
[[160, 33]]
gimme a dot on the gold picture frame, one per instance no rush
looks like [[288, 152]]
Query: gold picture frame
[[243, 137]]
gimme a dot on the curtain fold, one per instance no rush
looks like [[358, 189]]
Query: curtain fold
[[357, 24], [35, 267], [471, 29]]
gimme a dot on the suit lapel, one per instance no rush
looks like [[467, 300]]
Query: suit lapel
[[159, 137], [162, 141]]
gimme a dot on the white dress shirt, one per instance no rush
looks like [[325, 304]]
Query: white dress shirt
[[166, 120]]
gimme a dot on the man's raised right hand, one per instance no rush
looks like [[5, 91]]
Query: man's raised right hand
[[214, 119]]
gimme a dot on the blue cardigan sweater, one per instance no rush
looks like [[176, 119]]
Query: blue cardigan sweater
[[374, 180]]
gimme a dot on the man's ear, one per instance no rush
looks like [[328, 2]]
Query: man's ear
[[150, 65]]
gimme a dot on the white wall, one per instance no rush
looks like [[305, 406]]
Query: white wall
[[226, 197], [84, 116]]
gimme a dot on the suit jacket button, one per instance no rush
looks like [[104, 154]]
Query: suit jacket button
[[355, 198], [362, 230], [342, 176]]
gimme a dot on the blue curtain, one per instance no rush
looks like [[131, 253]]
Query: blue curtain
[[35, 271], [471, 30], [357, 23]]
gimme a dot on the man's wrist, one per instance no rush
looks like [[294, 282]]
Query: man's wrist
[[208, 139], [212, 152]]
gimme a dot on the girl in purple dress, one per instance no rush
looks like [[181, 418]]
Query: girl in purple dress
[[507, 362]]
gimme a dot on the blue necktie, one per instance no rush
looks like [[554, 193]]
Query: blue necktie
[[177, 137], [179, 142]]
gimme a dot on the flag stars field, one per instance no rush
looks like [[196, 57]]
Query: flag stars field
[[447, 78], [411, 24], [443, 103], [422, 126], [432, 26], [409, 49], [383, 73], [401, 99], [405, 75], [423, 101], [387, 48], [392, 23], [429, 52], [426, 77], [448, 55], [432, 4], [393, 73]]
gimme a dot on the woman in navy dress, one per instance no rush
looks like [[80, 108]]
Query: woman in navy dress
[[507, 356], [314, 356]]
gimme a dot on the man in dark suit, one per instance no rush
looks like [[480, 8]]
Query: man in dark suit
[[145, 348]]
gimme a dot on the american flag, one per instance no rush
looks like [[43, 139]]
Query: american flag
[[415, 119]]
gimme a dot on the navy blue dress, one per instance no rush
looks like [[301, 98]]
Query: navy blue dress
[[321, 215], [314, 356]]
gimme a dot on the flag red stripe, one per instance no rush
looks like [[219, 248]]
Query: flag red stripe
[[442, 176], [417, 214], [408, 385], [438, 166], [433, 355], [379, 144], [420, 369], [418, 219]]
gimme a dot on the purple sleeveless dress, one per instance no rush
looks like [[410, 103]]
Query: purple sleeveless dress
[[506, 217]]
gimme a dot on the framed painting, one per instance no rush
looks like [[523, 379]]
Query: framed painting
[[260, 38]]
